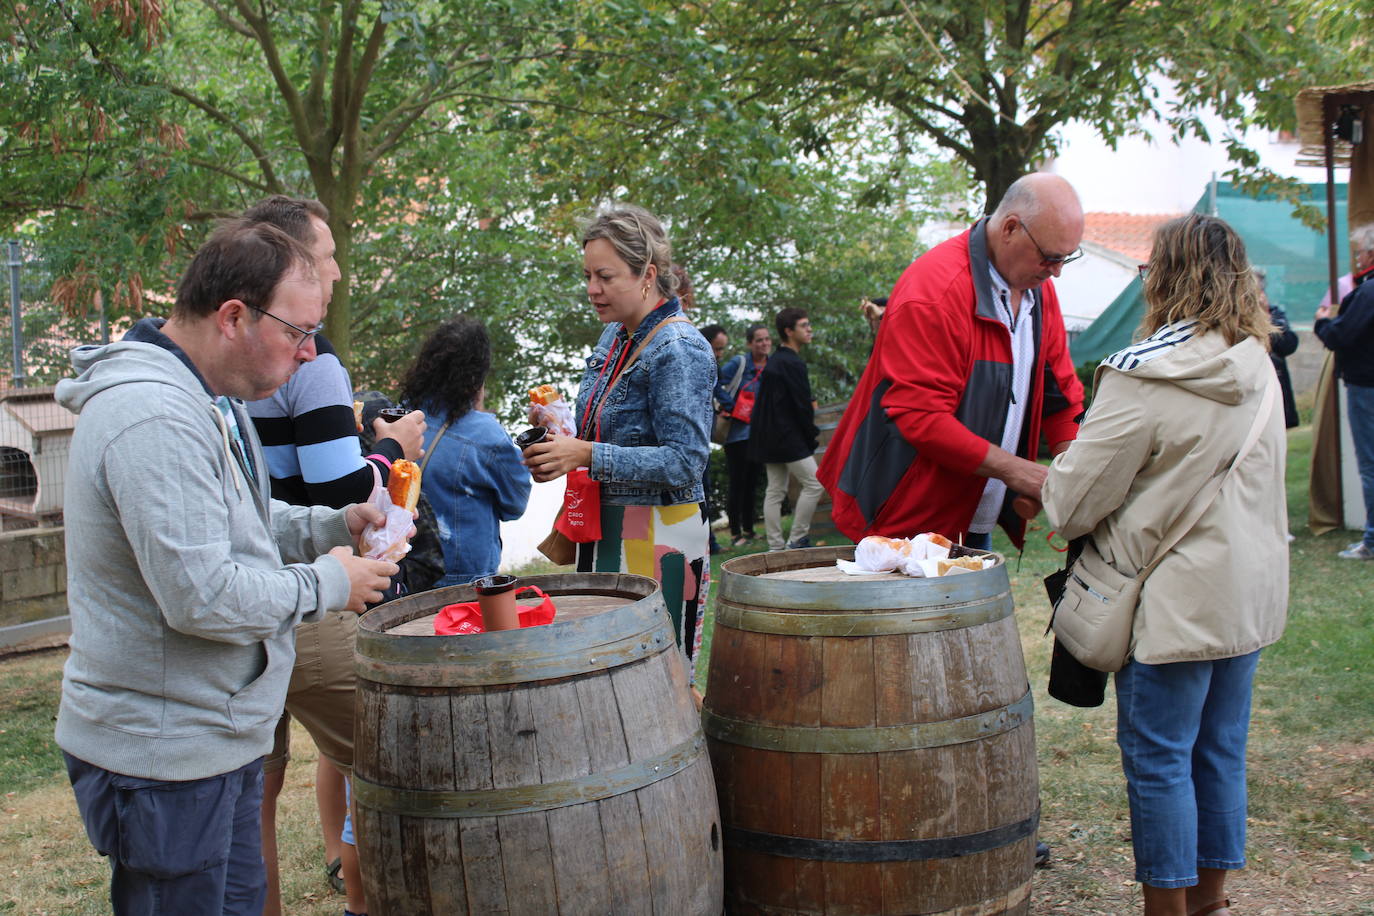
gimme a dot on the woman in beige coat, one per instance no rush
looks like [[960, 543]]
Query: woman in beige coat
[[1169, 414]]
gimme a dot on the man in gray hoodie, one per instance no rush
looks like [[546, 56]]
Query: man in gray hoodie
[[186, 579]]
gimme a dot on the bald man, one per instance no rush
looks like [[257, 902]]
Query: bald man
[[970, 368]]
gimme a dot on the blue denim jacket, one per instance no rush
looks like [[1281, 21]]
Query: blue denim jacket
[[474, 480], [655, 430]]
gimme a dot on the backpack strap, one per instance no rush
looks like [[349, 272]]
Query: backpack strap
[[434, 447], [734, 385]]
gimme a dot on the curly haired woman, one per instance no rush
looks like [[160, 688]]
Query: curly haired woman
[[473, 476]]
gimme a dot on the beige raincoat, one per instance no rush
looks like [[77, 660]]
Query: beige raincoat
[[1168, 413]]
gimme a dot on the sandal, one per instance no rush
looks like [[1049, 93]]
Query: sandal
[[1224, 904], [333, 876]]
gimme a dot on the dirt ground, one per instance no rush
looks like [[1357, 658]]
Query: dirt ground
[[1298, 866]]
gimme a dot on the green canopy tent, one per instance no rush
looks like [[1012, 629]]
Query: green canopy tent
[[1293, 255]]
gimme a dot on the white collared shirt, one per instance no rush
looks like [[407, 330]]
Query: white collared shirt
[[1022, 329]]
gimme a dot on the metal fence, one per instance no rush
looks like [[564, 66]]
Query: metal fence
[[35, 431]]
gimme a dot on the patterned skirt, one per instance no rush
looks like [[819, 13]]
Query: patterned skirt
[[667, 543]]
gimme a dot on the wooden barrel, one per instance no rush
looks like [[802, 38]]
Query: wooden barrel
[[553, 770], [872, 740]]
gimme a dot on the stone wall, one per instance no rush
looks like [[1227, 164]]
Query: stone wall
[[33, 575]]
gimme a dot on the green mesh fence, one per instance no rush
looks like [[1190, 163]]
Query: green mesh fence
[[1292, 254]]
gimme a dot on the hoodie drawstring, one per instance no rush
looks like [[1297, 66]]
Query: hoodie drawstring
[[228, 449]]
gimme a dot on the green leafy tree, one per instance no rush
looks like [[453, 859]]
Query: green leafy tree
[[364, 105], [455, 143], [989, 81], [88, 149]]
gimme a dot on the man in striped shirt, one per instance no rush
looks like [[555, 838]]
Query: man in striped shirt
[[310, 440]]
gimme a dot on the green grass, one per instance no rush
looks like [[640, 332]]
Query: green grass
[[29, 691], [821, 536]]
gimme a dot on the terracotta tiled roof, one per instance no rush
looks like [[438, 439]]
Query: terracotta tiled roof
[[1127, 233]]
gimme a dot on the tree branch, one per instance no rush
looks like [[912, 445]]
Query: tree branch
[[262, 33], [342, 83], [259, 186], [367, 65], [226, 20], [324, 24], [939, 135], [264, 161]]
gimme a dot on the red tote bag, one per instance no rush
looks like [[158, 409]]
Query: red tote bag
[[580, 518]]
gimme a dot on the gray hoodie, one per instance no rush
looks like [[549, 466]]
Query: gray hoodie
[[183, 613]]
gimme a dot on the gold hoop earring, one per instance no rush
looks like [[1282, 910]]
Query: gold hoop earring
[[644, 293]]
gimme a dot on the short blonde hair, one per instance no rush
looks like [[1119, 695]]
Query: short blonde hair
[[638, 238], [1199, 271]]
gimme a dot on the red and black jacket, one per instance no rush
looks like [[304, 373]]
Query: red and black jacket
[[935, 395]]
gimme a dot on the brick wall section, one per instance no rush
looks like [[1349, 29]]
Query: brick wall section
[[33, 575]]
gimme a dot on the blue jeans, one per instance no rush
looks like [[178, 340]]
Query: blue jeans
[[190, 848], [978, 540], [1359, 410], [1182, 729]]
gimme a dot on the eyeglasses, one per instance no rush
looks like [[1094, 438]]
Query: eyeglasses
[[1051, 260], [305, 335]]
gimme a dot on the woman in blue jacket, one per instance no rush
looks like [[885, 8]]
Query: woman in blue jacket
[[473, 476], [644, 419]]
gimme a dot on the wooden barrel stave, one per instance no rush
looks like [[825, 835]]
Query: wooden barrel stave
[[671, 888], [623, 853], [929, 792]]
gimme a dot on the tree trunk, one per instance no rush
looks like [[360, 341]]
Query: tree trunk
[[338, 324], [999, 160]]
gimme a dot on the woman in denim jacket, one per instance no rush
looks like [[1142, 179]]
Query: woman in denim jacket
[[647, 440], [473, 476]]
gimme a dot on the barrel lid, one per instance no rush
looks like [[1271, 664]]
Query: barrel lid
[[628, 622], [808, 579], [590, 593]]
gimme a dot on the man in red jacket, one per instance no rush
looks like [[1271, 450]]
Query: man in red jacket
[[969, 368]]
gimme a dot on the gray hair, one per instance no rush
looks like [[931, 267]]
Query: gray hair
[[1362, 239], [638, 238]]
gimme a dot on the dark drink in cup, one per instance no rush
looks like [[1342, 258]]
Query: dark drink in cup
[[496, 599], [392, 414], [530, 437]]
